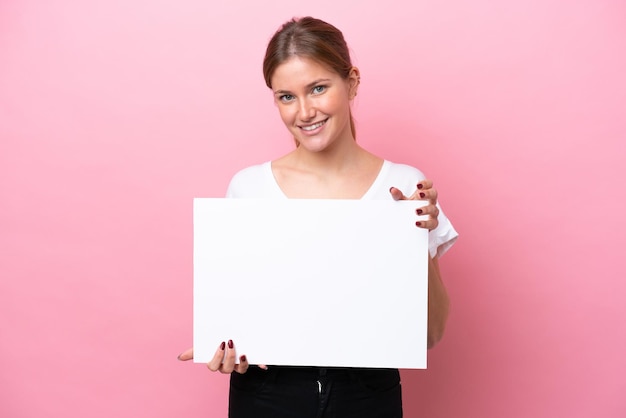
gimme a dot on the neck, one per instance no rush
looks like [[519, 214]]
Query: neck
[[340, 156]]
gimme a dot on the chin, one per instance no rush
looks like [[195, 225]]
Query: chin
[[314, 145]]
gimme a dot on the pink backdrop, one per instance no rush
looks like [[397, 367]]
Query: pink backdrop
[[114, 115]]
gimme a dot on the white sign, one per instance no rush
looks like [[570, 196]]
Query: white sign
[[307, 282]]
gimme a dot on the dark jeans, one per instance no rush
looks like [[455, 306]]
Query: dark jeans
[[311, 392]]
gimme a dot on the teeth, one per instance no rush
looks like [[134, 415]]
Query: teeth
[[315, 126]]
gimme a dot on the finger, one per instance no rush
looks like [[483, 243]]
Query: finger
[[429, 224], [419, 194], [434, 196], [243, 365], [425, 184], [186, 355], [428, 215], [216, 362], [397, 194], [430, 195], [428, 210], [229, 359]]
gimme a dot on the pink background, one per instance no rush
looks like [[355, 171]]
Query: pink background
[[114, 115]]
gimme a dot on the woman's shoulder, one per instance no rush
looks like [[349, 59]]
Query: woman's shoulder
[[256, 181], [405, 170], [251, 172], [402, 176], [247, 180]]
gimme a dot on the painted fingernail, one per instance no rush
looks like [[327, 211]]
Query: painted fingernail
[[418, 223], [230, 344], [223, 345], [243, 359], [419, 211], [422, 194], [420, 186]]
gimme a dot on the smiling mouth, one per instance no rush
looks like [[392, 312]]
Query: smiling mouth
[[314, 126]]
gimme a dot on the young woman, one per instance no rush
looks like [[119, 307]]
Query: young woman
[[308, 68]]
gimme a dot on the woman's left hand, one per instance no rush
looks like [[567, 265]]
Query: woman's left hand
[[425, 191], [224, 363]]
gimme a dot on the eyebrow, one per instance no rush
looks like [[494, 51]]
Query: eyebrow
[[308, 86]]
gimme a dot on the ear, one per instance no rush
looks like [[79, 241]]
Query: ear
[[354, 79]]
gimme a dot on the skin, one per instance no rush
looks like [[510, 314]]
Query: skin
[[329, 164]]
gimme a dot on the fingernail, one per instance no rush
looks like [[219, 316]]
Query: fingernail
[[179, 357], [223, 345], [419, 211], [390, 189], [420, 186], [230, 344], [422, 195], [243, 359], [418, 223]]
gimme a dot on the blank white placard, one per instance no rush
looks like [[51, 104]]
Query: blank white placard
[[308, 282]]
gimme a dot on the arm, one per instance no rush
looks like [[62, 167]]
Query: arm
[[438, 303], [438, 300]]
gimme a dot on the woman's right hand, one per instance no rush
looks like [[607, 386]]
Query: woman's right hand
[[223, 360]]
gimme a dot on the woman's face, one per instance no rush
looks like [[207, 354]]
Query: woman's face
[[314, 102]]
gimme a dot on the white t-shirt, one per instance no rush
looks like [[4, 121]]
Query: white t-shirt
[[258, 182]]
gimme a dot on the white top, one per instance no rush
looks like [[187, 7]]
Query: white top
[[258, 181]]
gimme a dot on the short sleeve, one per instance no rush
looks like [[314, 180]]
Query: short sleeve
[[443, 237]]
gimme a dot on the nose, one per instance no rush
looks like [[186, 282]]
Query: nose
[[307, 110]]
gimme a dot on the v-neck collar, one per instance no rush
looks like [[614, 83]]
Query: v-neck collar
[[367, 195]]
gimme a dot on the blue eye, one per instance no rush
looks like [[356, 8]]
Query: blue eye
[[319, 89], [286, 98]]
